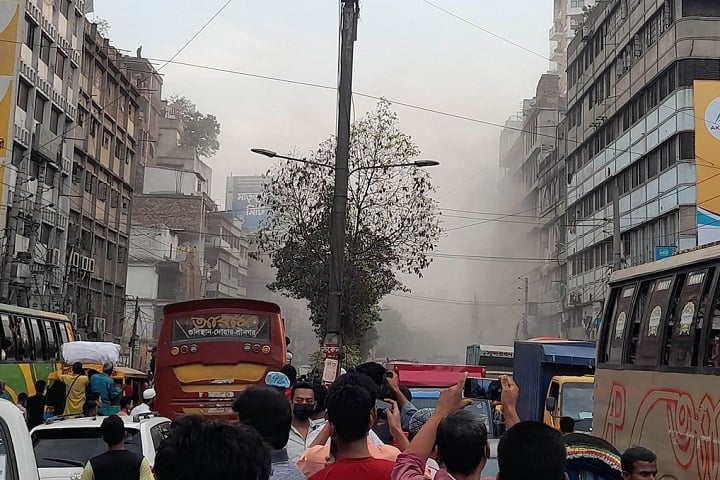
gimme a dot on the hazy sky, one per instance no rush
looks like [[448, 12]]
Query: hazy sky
[[406, 51]]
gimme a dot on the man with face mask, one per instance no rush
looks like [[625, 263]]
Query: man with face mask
[[303, 430]]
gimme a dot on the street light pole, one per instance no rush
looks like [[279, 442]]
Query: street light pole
[[332, 344]]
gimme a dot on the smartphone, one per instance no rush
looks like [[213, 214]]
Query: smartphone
[[382, 405], [473, 388]]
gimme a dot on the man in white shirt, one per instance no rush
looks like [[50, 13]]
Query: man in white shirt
[[302, 430], [147, 404]]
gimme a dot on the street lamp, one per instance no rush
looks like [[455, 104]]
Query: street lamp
[[416, 163]]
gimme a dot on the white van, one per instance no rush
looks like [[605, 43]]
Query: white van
[[17, 459]]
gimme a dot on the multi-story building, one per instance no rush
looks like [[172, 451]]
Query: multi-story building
[[533, 184], [631, 123], [243, 196], [226, 254], [101, 190], [40, 59], [567, 17]]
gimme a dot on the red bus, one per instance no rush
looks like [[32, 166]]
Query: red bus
[[210, 350], [414, 375]]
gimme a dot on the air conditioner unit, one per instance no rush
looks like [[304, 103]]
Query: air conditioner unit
[[214, 276], [52, 257], [91, 265], [85, 264], [586, 32], [73, 319], [98, 325], [75, 260]]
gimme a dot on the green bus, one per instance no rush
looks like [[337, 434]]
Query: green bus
[[30, 346]]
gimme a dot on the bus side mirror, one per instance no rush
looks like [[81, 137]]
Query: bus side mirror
[[550, 404]]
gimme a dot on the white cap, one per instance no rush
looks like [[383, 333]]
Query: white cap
[[149, 394]]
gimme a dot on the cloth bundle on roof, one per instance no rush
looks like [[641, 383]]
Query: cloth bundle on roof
[[590, 457], [90, 352]]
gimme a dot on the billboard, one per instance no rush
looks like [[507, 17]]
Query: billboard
[[10, 15], [707, 159], [243, 197]]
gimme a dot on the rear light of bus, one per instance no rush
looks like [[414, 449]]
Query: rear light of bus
[[174, 351], [256, 348], [266, 349], [193, 348], [184, 349], [247, 347]]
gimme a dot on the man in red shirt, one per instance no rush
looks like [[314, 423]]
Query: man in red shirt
[[351, 414]]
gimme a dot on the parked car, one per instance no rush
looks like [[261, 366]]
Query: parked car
[[15, 444], [64, 444]]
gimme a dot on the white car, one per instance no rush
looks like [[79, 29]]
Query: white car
[[65, 444], [18, 461]]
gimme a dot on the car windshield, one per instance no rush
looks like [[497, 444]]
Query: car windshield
[[73, 447], [478, 408], [577, 400]]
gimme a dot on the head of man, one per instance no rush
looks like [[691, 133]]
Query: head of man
[[350, 409], [40, 387], [320, 396], [462, 443], [149, 396], [22, 398], [108, 368], [531, 450], [113, 431], [94, 397], [266, 410], [90, 408], [126, 403], [638, 463], [290, 372], [214, 450], [567, 424], [373, 370], [77, 368], [303, 401]]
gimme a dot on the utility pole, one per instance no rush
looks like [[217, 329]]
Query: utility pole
[[526, 313], [134, 339], [348, 31], [10, 245], [617, 241], [35, 225]]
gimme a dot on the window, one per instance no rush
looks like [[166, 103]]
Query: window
[[45, 42], [77, 173], [122, 253], [653, 322], [125, 204], [119, 150], [684, 326], [89, 182], [45, 230], [54, 119], [50, 176], [106, 139], [618, 325], [60, 63], [38, 351], [111, 250], [51, 343], [687, 146], [102, 191], [637, 315], [23, 94], [63, 334], [30, 32], [114, 198], [20, 329], [39, 108]]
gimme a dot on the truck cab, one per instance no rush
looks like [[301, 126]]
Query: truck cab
[[17, 460], [570, 396]]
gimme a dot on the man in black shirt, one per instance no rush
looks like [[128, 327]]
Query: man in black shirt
[[36, 405], [117, 463]]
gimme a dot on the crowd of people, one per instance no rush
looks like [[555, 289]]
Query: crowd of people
[[290, 429], [83, 393]]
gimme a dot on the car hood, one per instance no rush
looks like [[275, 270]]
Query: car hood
[[60, 473]]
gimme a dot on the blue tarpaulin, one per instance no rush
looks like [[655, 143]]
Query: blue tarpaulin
[[569, 354]]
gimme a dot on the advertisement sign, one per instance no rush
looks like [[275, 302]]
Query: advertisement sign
[[707, 161], [664, 252], [10, 14], [243, 197]]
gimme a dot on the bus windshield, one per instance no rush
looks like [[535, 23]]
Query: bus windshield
[[221, 326], [577, 400]]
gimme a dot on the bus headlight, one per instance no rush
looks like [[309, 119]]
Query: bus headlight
[[174, 351], [266, 349]]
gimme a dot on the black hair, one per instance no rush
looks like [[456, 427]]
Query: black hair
[[267, 411], [92, 396], [77, 368], [112, 430], [321, 392], [40, 387], [567, 424], [635, 454], [361, 380], [291, 373], [212, 449], [302, 386], [531, 450], [22, 397], [349, 408], [461, 442], [373, 370], [125, 402], [89, 406], [387, 392]]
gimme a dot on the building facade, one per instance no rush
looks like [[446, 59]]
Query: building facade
[[226, 254], [568, 15], [40, 57], [243, 195], [630, 124]]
